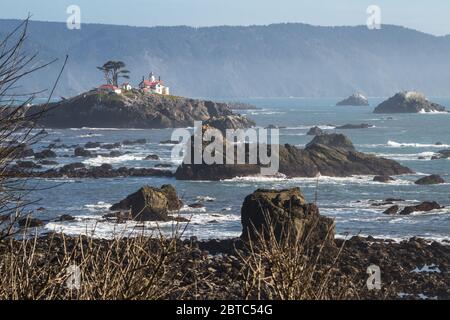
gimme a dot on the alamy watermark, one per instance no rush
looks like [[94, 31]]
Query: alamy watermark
[[210, 146], [73, 281], [74, 19], [374, 20], [374, 280]]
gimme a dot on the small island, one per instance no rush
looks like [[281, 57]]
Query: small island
[[148, 106], [356, 99], [408, 102]]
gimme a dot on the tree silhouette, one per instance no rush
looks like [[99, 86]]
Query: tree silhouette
[[113, 71]]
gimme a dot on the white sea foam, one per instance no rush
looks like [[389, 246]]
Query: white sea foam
[[111, 160], [202, 225], [395, 144], [432, 112], [90, 135], [407, 156], [205, 198]]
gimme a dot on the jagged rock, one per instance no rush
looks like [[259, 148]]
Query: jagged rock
[[133, 110], [45, 154], [408, 102], [92, 145], [433, 179], [355, 126], [392, 210], [28, 165], [315, 131], [383, 179], [150, 204], [81, 152], [229, 122], [110, 146], [115, 154], [337, 141], [288, 213], [152, 157], [356, 99], [66, 217], [423, 207], [133, 142]]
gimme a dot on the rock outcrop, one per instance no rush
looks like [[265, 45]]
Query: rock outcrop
[[329, 155], [433, 179], [356, 99], [229, 122], [408, 102], [133, 109], [285, 213], [383, 179], [315, 131], [423, 207], [355, 126], [150, 204]]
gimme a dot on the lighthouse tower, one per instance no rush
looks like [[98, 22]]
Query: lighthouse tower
[[151, 77]]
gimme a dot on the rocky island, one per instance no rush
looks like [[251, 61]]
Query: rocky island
[[356, 99], [132, 109], [408, 102], [328, 154]]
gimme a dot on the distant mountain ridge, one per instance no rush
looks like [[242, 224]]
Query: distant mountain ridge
[[278, 60]]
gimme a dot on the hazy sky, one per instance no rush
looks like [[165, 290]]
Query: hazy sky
[[431, 16]]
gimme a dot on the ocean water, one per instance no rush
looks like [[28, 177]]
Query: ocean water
[[402, 137]]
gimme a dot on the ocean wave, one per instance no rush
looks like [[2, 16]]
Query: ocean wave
[[360, 179], [99, 160], [407, 156], [90, 135], [200, 225], [395, 144], [432, 112]]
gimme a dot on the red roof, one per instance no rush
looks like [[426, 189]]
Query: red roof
[[152, 84]]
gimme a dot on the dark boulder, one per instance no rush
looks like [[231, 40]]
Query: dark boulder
[[383, 179], [47, 153], [286, 213], [66, 217], [81, 152], [392, 210], [152, 157], [355, 126], [134, 142], [92, 145], [423, 207], [150, 204], [433, 179]]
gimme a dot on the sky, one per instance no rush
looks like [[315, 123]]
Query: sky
[[430, 16]]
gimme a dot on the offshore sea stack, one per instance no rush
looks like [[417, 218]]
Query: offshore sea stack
[[408, 102], [328, 154]]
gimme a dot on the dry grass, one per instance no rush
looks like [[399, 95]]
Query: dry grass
[[287, 267]]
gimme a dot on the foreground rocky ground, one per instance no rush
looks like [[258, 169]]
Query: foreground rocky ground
[[287, 251]]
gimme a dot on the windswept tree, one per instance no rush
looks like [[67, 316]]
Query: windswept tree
[[113, 71]]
